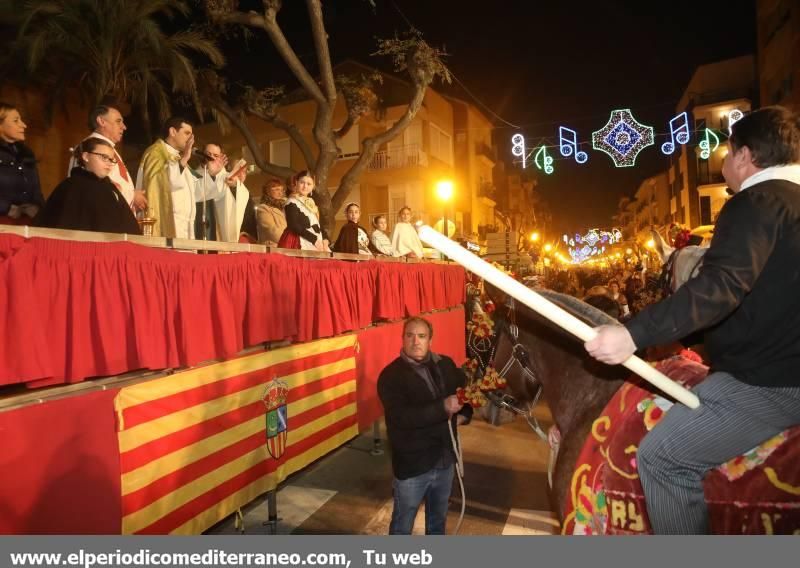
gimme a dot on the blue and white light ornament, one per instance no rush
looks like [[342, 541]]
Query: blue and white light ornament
[[622, 138]]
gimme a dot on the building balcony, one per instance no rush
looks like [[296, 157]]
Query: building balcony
[[485, 151], [709, 178], [399, 157]]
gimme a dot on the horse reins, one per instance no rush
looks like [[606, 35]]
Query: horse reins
[[521, 357]]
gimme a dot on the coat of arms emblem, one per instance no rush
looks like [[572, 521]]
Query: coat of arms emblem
[[275, 396]]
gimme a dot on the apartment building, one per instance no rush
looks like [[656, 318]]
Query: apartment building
[[715, 91], [447, 140], [778, 51]]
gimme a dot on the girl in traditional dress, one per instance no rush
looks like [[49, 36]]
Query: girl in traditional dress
[[303, 230], [380, 240], [353, 238], [404, 239]]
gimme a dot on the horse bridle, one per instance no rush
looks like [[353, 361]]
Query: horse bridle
[[667, 278], [519, 357]]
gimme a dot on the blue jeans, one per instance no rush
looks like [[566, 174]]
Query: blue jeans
[[434, 487]]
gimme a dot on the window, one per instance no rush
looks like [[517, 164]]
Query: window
[[441, 144], [248, 155], [349, 145], [280, 152]]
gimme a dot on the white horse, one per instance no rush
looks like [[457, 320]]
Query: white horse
[[679, 264]]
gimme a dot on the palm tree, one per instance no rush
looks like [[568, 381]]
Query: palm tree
[[113, 48]]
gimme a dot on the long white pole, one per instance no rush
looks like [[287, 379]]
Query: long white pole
[[549, 310]]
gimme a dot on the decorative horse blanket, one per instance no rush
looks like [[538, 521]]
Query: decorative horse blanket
[[756, 493]]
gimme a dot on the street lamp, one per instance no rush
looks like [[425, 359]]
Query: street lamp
[[548, 247], [444, 190], [535, 236]]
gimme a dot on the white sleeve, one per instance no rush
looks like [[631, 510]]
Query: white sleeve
[[206, 188], [176, 179]]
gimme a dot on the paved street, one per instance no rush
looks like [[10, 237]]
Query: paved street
[[349, 491]]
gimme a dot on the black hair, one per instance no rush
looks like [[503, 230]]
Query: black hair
[[97, 112], [89, 145], [772, 134], [173, 122]]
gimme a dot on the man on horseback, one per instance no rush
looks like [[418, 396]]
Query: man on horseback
[[746, 298]]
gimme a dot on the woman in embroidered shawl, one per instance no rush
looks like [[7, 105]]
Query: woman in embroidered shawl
[[303, 230]]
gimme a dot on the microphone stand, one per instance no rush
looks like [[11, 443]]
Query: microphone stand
[[204, 220]]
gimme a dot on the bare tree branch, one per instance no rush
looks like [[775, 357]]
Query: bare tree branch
[[250, 19], [348, 124], [371, 144], [271, 9], [229, 113], [323, 54], [290, 129]]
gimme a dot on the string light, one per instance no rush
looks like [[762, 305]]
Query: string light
[[593, 243], [678, 132], [622, 138], [568, 145], [543, 161], [706, 144], [518, 148], [734, 116]]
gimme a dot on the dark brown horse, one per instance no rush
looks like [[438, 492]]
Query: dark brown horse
[[575, 386], [757, 493]]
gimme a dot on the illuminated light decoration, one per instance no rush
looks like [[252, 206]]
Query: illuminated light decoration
[[734, 116], [543, 161], [587, 245], [678, 133], [518, 148], [568, 145], [706, 144], [622, 138]]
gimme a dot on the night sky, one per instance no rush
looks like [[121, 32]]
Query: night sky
[[539, 65]]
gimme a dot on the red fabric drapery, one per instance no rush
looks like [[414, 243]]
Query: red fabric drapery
[[78, 310]]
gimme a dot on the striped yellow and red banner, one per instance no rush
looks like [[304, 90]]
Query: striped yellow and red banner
[[193, 445]]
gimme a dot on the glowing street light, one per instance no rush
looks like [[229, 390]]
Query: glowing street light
[[651, 244], [444, 191], [548, 247], [535, 236]]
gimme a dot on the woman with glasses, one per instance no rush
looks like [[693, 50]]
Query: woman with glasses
[[88, 200]]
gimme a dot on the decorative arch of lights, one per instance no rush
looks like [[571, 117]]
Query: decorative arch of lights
[[593, 243]]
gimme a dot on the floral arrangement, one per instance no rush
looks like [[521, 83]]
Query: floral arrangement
[[678, 235], [481, 325], [473, 393]]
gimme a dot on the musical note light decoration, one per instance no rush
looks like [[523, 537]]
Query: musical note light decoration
[[734, 116], [593, 243], [518, 148], [568, 145], [706, 144], [678, 133], [622, 138], [543, 161]]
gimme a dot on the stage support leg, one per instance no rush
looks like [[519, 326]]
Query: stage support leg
[[272, 512], [377, 446]]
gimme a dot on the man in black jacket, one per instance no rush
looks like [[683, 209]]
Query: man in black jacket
[[418, 394], [747, 299]]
